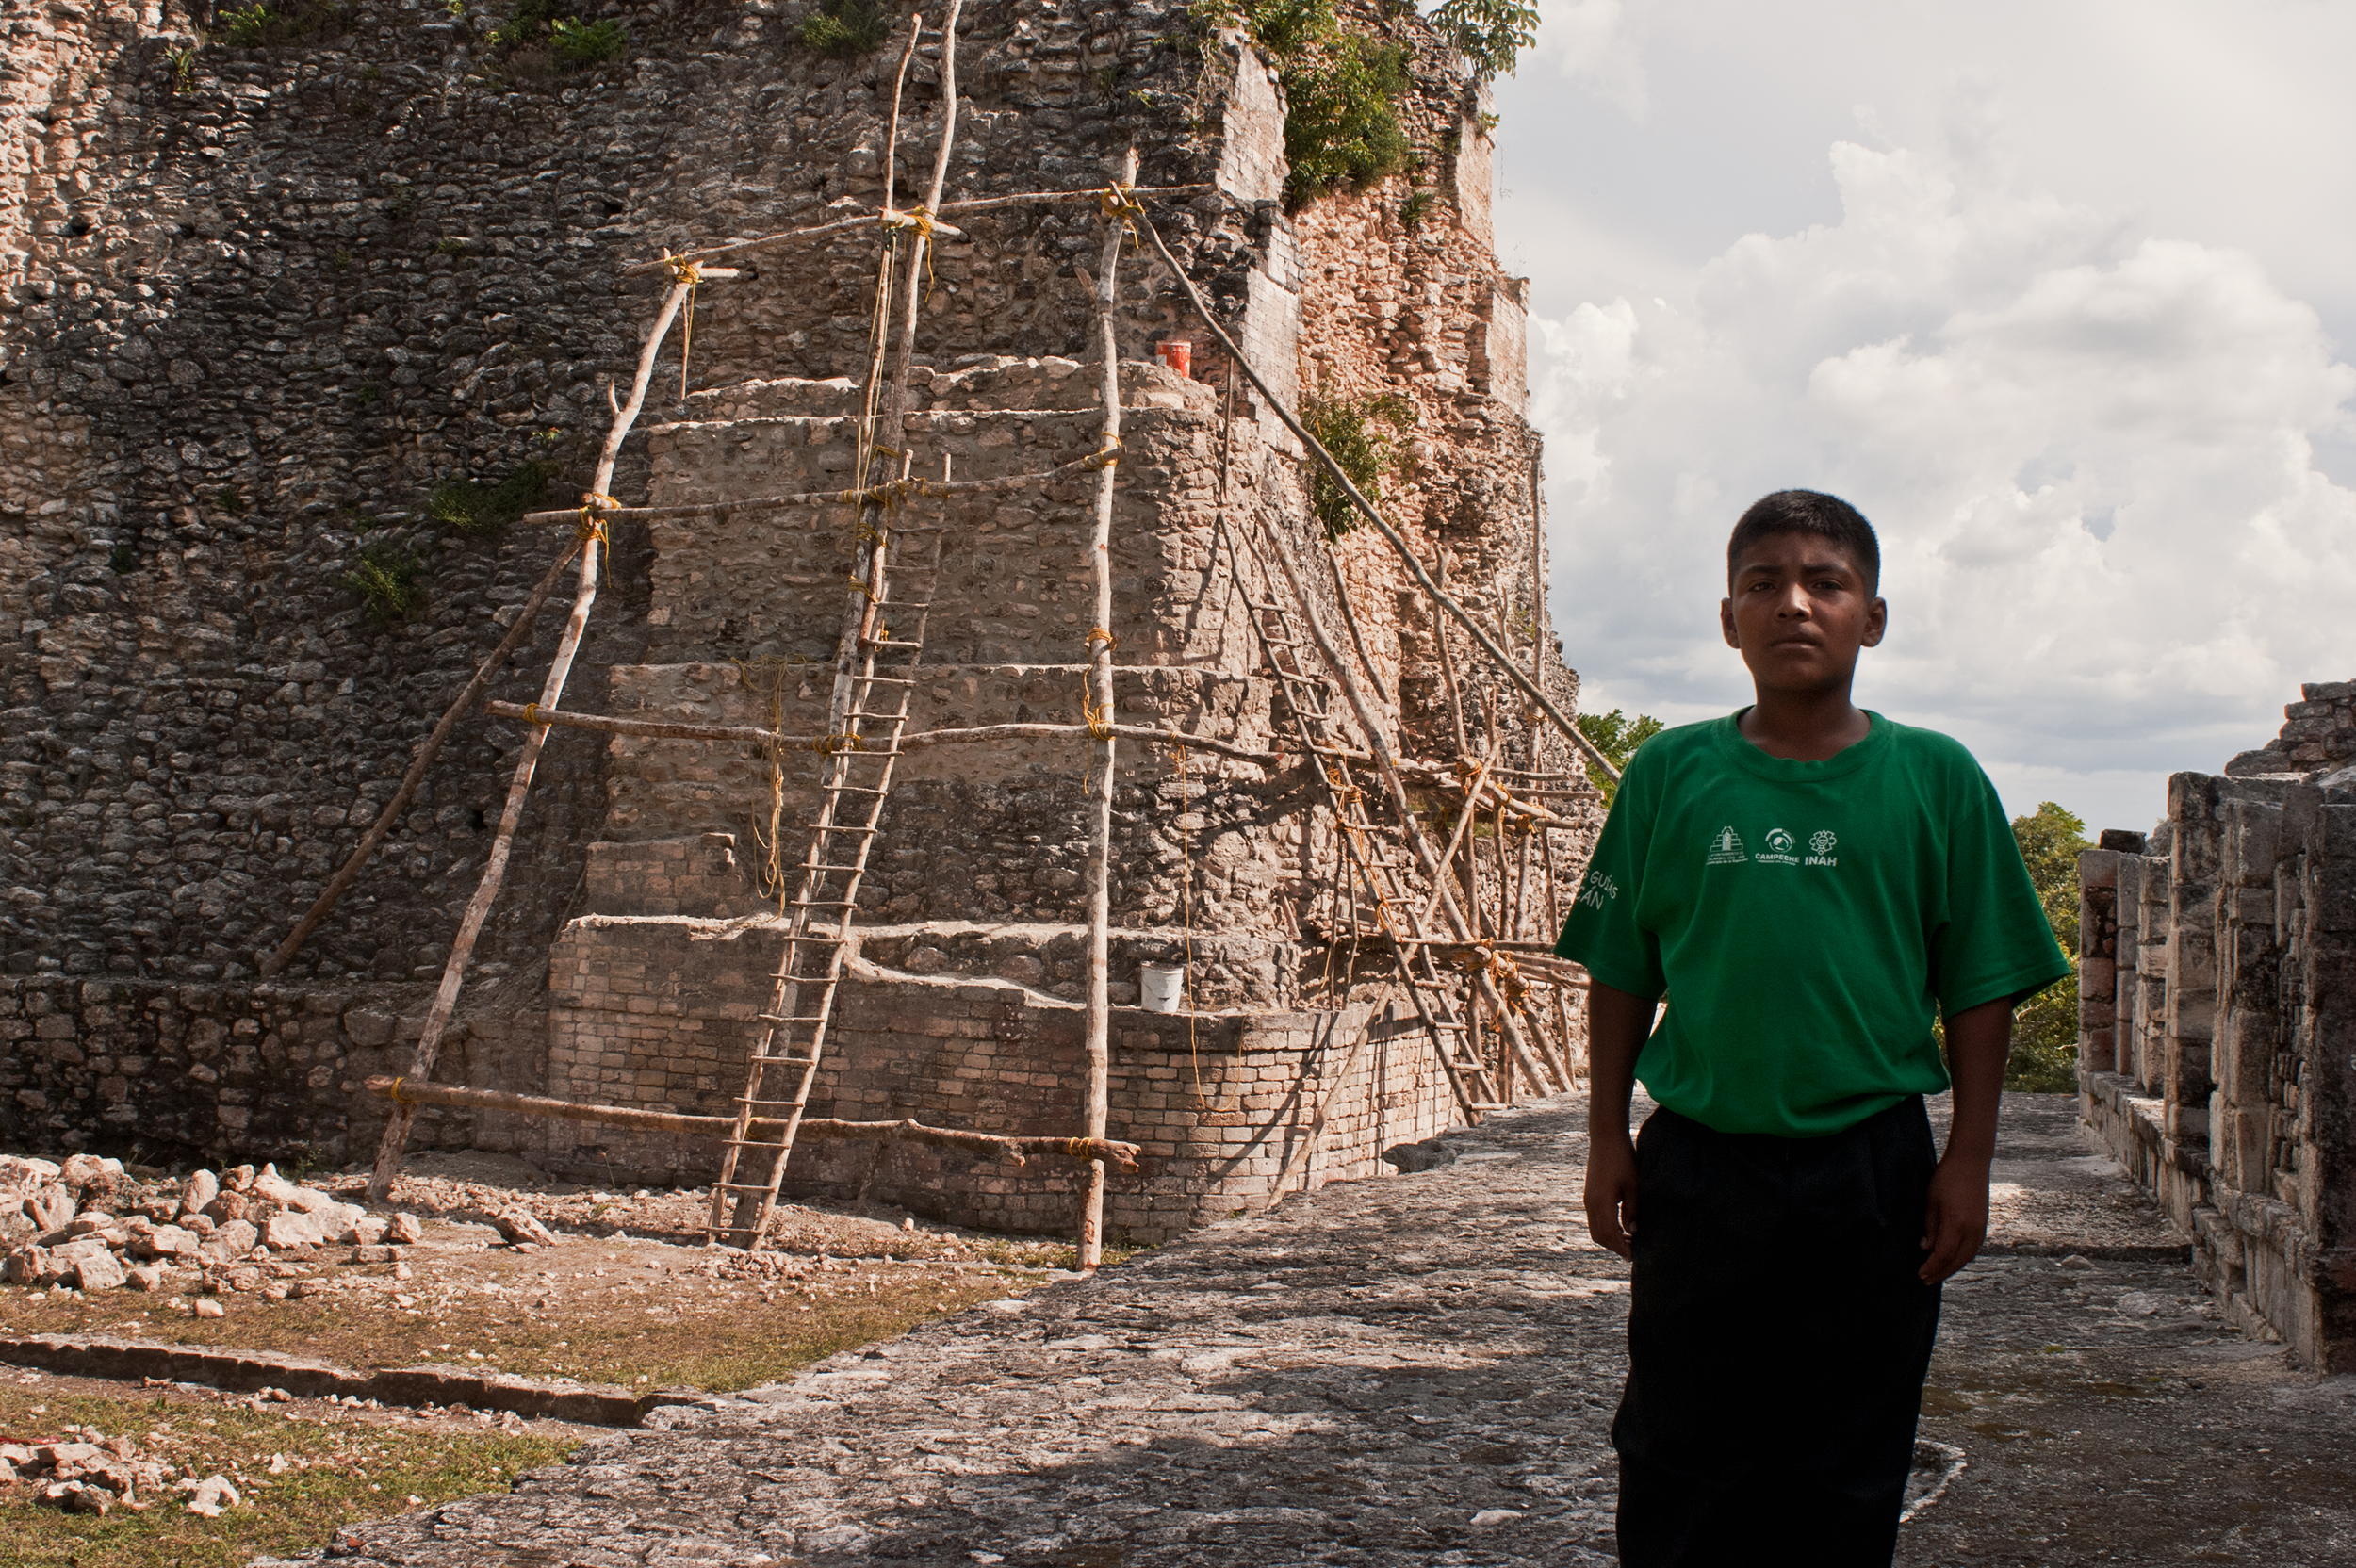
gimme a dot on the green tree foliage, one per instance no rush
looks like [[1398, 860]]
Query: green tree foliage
[[2044, 1056], [1490, 33], [1353, 432], [1617, 736]]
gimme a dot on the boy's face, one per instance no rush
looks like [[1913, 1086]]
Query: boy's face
[[1798, 611]]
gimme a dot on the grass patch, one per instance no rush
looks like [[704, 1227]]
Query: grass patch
[[334, 1474], [1354, 430], [465, 507]]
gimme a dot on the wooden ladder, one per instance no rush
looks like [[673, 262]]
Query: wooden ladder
[[854, 785], [1377, 853]]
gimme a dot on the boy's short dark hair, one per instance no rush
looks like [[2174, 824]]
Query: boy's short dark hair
[[1810, 512]]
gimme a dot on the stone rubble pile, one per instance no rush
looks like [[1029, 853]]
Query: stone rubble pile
[[89, 1224], [91, 1473]]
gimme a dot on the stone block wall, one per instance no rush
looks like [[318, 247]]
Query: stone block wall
[[168, 1071], [658, 1013], [2218, 1039]]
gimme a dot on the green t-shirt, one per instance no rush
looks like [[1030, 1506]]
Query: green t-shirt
[[1805, 919]]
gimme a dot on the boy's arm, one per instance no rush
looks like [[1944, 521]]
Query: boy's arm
[[1618, 1024], [1978, 1042]]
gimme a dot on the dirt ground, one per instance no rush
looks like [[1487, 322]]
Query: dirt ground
[[629, 1294]]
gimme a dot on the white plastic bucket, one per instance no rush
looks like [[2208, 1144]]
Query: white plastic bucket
[[1159, 987]]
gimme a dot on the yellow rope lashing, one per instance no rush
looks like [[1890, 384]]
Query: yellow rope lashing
[[1102, 458], [687, 273], [1100, 719], [1098, 634], [1118, 206]]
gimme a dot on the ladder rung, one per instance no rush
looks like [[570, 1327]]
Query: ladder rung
[[783, 1018], [821, 903], [883, 680]]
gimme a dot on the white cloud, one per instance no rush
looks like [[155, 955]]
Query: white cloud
[[2089, 453], [1589, 42]]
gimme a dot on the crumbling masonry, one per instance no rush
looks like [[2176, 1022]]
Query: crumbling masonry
[[267, 301], [2218, 1042]]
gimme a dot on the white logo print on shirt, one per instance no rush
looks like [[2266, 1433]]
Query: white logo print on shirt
[[1597, 890], [1778, 850], [1726, 848]]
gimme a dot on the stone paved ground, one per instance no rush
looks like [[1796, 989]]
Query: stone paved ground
[[1423, 1369]]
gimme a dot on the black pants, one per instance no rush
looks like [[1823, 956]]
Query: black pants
[[1777, 1340]]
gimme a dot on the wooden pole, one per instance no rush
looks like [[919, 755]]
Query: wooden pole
[[747, 734], [1100, 718], [388, 1151], [846, 225], [1350, 619], [403, 1091], [1306, 1149], [1366, 509], [343, 879], [1378, 748], [1448, 660]]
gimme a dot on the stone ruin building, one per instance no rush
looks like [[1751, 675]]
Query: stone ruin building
[[2217, 1018], [290, 320]]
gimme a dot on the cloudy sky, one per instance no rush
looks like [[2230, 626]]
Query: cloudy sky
[[2061, 295]]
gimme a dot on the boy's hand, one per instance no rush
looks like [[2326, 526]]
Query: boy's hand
[[1612, 1192], [1956, 1222]]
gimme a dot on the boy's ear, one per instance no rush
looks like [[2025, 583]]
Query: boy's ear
[[1876, 621], [1725, 623]]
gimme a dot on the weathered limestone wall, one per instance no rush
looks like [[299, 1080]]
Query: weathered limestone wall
[[262, 310], [2218, 1012]]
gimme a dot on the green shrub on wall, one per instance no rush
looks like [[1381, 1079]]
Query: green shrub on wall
[[467, 507], [1341, 87], [844, 29], [1352, 429], [587, 43], [387, 582], [1343, 127]]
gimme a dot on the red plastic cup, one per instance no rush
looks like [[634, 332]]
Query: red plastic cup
[[1178, 356]]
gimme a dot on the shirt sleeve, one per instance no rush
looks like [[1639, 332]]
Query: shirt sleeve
[[1995, 942], [1602, 932]]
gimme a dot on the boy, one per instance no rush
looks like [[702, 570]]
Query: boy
[[1809, 884]]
